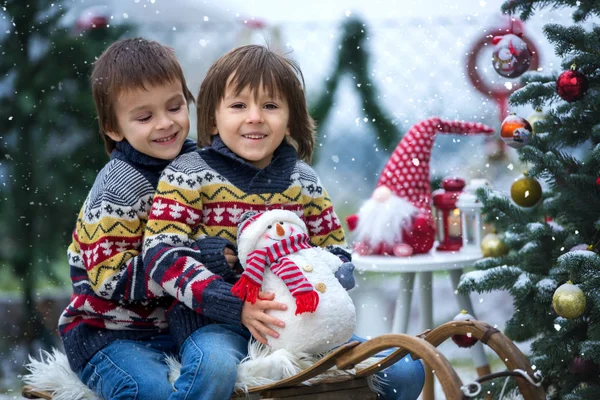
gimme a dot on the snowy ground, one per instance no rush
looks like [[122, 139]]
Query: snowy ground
[[493, 308]]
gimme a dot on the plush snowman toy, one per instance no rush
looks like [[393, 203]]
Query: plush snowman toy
[[275, 250]]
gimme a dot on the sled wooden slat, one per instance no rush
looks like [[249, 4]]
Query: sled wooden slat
[[31, 393], [343, 387]]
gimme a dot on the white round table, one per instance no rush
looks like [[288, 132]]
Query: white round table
[[377, 268]]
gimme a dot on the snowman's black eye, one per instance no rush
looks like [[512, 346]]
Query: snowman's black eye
[[280, 222], [269, 227]]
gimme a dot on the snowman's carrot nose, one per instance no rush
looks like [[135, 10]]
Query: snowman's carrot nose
[[279, 230]]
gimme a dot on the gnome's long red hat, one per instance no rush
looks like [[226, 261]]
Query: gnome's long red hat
[[406, 174]]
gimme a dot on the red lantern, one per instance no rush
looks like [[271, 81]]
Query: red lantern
[[448, 215]]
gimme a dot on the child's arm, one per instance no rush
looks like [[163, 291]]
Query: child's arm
[[172, 257], [105, 254]]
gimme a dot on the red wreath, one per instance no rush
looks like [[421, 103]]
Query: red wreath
[[498, 93]]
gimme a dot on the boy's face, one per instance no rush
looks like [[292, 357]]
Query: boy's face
[[252, 126], [154, 121]]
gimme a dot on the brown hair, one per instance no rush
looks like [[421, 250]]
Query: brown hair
[[252, 66], [130, 64]]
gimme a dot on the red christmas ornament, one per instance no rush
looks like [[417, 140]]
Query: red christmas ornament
[[91, 18], [579, 366], [511, 56], [598, 181], [571, 85], [464, 341]]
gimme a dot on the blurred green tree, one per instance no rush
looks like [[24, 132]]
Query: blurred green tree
[[353, 59], [48, 141]]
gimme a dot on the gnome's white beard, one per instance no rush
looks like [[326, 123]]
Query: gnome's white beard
[[382, 221]]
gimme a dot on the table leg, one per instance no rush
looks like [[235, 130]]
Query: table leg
[[425, 280], [403, 302], [464, 301]]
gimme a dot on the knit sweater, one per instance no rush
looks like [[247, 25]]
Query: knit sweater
[[112, 297], [203, 194]]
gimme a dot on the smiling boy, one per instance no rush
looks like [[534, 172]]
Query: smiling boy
[[114, 329]]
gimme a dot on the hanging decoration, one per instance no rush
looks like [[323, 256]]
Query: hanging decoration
[[492, 245], [467, 340], [569, 301], [92, 18], [526, 191], [537, 116], [571, 85], [511, 56], [515, 131], [498, 92]]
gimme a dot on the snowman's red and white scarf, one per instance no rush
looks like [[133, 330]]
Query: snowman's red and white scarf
[[248, 286]]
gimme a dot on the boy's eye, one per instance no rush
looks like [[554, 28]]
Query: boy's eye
[[144, 118], [175, 108], [271, 106], [237, 105]]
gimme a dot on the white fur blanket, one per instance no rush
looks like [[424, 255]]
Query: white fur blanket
[[51, 372]]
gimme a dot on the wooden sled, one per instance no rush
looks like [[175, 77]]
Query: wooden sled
[[355, 386]]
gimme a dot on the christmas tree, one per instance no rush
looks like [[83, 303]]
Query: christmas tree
[[50, 148], [552, 269]]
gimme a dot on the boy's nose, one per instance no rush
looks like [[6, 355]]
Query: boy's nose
[[164, 122], [254, 115]]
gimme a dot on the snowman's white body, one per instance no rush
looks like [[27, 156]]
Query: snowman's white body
[[334, 320]]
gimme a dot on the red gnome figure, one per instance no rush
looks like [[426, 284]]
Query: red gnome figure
[[397, 219]]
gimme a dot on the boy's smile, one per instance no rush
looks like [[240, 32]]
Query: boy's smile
[[154, 121], [252, 125]]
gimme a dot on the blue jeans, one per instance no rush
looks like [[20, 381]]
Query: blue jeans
[[131, 370], [403, 380], [136, 370], [209, 362]]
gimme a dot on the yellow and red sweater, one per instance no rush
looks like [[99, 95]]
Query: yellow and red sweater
[[202, 195]]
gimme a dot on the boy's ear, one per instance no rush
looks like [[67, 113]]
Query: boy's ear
[[116, 136], [287, 131], [214, 130]]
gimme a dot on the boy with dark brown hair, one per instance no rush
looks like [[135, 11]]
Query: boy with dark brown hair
[[115, 330]]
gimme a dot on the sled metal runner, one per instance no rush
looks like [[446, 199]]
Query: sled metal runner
[[424, 347]]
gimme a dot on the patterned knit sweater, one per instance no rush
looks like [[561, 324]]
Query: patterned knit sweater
[[203, 194], [112, 297]]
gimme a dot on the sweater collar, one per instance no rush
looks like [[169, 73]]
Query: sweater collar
[[125, 151]]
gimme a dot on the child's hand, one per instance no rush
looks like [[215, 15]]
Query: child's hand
[[256, 320], [230, 256]]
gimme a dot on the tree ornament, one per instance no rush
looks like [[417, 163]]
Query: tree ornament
[[569, 301], [515, 131], [91, 18], [492, 245], [467, 340], [526, 192], [511, 56], [583, 367], [571, 85], [537, 116]]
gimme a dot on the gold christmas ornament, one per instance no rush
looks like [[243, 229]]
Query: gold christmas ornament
[[537, 116], [569, 301], [526, 191], [493, 246]]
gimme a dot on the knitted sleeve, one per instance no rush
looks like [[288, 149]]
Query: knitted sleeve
[[105, 254], [324, 227], [172, 257]]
